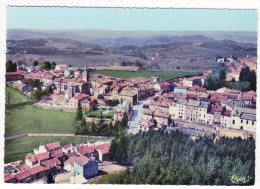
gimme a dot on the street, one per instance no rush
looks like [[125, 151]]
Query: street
[[136, 116]]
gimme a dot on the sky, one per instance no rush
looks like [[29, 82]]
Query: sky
[[57, 18]]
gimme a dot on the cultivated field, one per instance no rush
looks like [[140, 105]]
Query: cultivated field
[[146, 74], [17, 149], [21, 116]]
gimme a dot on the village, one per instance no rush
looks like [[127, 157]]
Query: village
[[150, 104]]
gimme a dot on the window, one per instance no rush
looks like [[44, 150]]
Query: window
[[233, 122], [241, 127], [241, 121], [253, 123], [246, 121]]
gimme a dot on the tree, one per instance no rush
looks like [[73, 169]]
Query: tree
[[80, 125], [92, 128], [35, 63], [46, 65], [222, 75], [252, 80], [53, 65], [10, 66], [248, 76], [50, 178]]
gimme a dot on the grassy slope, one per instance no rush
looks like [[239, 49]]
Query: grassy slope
[[23, 117], [17, 149], [147, 74]]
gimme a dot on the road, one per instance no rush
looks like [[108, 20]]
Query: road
[[136, 116]]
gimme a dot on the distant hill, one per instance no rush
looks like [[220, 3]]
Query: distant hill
[[228, 45], [137, 38]]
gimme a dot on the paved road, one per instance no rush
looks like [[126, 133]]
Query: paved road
[[136, 116]]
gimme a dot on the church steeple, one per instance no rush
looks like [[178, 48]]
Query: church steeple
[[85, 73]]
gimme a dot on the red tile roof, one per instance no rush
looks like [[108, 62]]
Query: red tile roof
[[227, 113], [52, 146], [164, 84], [36, 169], [181, 87], [67, 146], [82, 160], [104, 148], [85, 149], [9, 176], [38, 157], [81, 97], [218, 97], [23, 167], [12, 73], [70, 161], [23, 175], [198, 89], [57, 153], [48, 164]]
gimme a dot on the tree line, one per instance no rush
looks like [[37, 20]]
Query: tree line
[[247, 81], [174, 158], [101, 128]]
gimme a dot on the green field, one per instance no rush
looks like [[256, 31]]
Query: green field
[[23, 117], [146, 74], [17, 149], [96, 113]]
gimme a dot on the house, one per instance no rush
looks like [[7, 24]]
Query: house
[[77, 99], [164, 86], [13, 76], [85, 166], [103, 152], [196, 90], [243, 119], [129, 96], [48, 147], [62, 67], [226, 119], [193, 81], [88, 151], [192, 110], [147, 125], [144, 92], [68, 73], [162, 118], [37, 158], [89, 104], [181, 89]]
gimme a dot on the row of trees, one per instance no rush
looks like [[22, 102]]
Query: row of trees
[[101, 128], [247, 81], [11, 66], [45, 65], [38, 93], [174, 158]]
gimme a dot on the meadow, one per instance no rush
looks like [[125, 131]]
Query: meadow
[[17, 149], [164, 75], [21, 116]]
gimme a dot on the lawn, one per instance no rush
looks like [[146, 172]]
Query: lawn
[[96, 113], [23, 117], [17, 149], [146, 74]]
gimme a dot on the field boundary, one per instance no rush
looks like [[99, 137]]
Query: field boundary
[[50, 135]]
